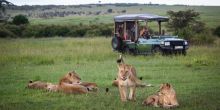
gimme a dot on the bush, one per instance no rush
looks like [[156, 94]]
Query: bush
[[205, 37], [20, 19], [217, 31], [15, 29], [38, 31], [4, 33]]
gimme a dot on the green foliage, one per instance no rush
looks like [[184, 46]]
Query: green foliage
[[186, 25], [72, 31], [10, 30], [181, 19], [6, 33], [110, 10], [20, 19], [204, 37], [217, 31]]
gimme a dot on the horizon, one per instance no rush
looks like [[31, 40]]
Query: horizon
[[85, 2]]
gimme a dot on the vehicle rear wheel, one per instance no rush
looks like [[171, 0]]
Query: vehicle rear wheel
[[117, 43]]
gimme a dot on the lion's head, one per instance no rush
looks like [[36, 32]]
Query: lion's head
[[124, 72], [165, 88], [71, 78]]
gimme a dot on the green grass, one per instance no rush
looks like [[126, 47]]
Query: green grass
[[195, 77], [209, 14]]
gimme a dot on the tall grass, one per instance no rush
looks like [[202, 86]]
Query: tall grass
[[195, 77]]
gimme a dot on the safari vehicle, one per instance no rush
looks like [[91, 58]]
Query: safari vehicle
[[129, 38]]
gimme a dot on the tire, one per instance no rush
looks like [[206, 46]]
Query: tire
[[184, 52], [117, 43], [157, 50]]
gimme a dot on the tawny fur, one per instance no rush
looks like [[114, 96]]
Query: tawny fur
[[70, 78], [166, 97], [90, 85], [52, 87], [132, 70], [126, 79], [37, 85], [70, 84]]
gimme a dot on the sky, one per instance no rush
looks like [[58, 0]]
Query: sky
[[76, 2]]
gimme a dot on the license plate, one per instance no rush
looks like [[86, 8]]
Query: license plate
[[178, 47]]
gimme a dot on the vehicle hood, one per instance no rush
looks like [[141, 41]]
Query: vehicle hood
[[172, 39]]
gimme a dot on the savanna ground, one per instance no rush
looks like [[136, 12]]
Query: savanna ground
[[195, 77]]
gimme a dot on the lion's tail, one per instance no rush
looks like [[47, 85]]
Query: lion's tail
[[140, 84]]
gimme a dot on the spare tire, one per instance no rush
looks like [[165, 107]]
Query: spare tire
[[117, 43]]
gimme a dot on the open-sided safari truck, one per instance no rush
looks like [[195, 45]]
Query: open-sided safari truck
[[130, 38]]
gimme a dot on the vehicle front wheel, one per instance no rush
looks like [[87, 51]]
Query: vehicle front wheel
[[184, 52], [157, 50]]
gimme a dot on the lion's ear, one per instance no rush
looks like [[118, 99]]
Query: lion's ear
[[70, 74], [168, 85], [30, 81]]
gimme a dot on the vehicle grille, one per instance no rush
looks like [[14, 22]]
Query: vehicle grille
[[176, 43]]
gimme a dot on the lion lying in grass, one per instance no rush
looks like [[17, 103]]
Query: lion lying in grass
[[166, 97], [70, 83]]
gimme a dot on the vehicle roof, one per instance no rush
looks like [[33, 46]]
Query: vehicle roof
[[144, 17]]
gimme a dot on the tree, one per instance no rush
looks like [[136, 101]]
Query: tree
[[182, 19], [217, 31], [185, 23], [20, 19], [109, 10]]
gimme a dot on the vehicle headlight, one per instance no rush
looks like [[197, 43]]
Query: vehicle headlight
[[162, 42], [185, 43], [166, 43]]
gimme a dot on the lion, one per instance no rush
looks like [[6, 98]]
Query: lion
[[70, 84], [37, 85], [90, 86], [120, 61], [52, 87], [166, 97], [126, 79], [70, 78]]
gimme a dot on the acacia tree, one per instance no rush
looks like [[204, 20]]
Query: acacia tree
[[185, 19]]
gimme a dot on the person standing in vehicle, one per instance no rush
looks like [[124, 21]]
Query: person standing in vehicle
[[145, 33]]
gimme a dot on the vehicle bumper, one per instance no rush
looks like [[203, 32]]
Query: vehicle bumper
[[175, 48]]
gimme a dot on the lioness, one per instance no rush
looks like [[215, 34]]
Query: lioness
[[37, 85], [166, 97], [52, 87], [126, 79], [70, 78], [70, 84], [120, 61], [90, 86]]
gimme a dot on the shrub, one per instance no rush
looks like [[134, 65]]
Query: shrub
[[20, 19], [217, 31], [110, 10], [205, 37], [15, 29], [6, 33]]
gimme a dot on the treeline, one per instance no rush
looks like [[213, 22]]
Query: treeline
[[38, 31]]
